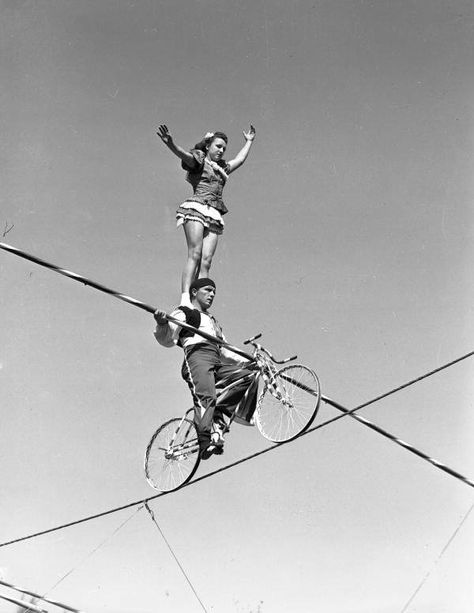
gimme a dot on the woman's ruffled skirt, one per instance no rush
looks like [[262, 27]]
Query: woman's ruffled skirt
[[207, 215]]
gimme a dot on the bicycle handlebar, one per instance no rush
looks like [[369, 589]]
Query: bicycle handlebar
[[253, 338], [251, 341], [293, 357]]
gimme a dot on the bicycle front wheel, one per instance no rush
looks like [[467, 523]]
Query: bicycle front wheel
[[288, 403], [172, 455]]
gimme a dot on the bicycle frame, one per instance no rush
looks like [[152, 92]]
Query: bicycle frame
[[272, 407], [263, 364]]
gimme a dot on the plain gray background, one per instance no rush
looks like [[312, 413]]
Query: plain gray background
[[349, 241]]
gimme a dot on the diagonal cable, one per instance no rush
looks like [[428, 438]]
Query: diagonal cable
[[153, 519], [425, 578], [90, 554]]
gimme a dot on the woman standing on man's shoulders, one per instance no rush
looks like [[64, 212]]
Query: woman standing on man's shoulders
[[201, 214]]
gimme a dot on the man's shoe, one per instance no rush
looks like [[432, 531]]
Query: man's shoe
[[206, 453]]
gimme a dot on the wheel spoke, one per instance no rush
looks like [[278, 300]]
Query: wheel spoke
[[172, 456]]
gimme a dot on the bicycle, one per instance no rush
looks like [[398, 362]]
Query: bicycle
[[286, 406]]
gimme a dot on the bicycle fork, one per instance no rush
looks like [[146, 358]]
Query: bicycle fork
[[181, 451]]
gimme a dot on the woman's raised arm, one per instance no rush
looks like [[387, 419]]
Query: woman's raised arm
[[166, 137], [243, 153]]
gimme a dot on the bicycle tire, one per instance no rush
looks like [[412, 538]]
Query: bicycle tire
[[283, 418], [172, 455]]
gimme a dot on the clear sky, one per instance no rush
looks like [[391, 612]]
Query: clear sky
[[349, 241]]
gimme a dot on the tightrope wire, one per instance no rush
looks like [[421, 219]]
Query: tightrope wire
[[21, 603], [31, 606], [346, 413]]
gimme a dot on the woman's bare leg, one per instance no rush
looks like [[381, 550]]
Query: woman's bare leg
[[194, 231], [209, 244]]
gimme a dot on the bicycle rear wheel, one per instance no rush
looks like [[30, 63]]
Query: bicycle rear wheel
[[288, 403], [172, 455]]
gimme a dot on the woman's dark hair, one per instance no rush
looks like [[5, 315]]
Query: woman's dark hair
[[203, 145]]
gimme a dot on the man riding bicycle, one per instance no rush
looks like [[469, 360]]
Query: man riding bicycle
[[207, 365]]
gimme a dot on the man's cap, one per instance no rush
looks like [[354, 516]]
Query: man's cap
[[198, 283]]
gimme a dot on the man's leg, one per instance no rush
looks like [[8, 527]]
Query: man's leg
[[198, 371]]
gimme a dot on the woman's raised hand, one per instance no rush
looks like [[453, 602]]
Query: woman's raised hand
[[164, 134], [250, 135]]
